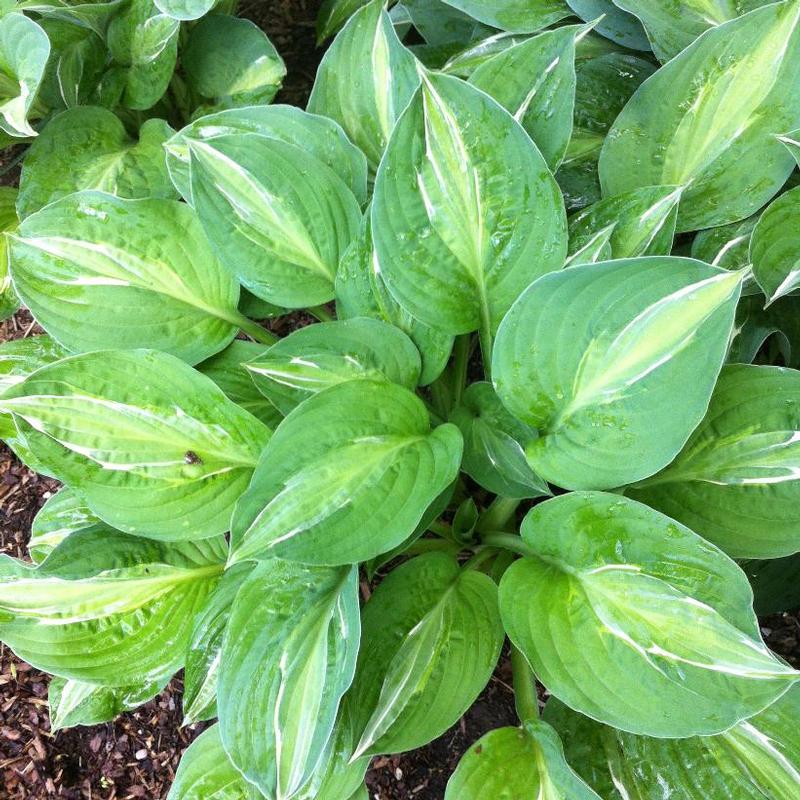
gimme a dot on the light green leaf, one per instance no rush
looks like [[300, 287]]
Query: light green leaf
[[348, 475], [597, 247], [88, 148], [671, 27], [91, 14], [775, 246], [494, 445], [792, 143], [278, 218], [517, 16], [9, 221], [231, 62], [612, 22], [63, 514], [737, 481], [614, 364], [756, 760], [155, 447], [535, 82], [227, 369], [517, 764], [455, 241], [89, 260], [634, 620], [206, 772], [466, 61], [320, 137], [432, 636], [707, 120], [185, 10], [318, 356], [24, 50], [365, 80], [642, 222], [77, 703], [106, 607], [726, 246], [288, 656], [144, 44], [361, 292]]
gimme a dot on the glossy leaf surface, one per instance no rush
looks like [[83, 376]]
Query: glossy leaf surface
[[519, 16], [63, 514], [775, 246]]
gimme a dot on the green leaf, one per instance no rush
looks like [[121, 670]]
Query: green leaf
[[278, 218], [204, 654], [672, 27], [63, 514], [775, 582], [756, 760], [706, 120], [206, 772], [612, 22], [517, 16], [466, 213], [614, 364], [320, 137], [77, 703], [792, 143], [494, 445], [432, 636], [361, 292], [464, 63], [230, 62], [318, 356], [288, 656], [535, 82], [106, 607], [775, 246], [517, 764], [144, 44], [641, 222], [348, 475], [365, 80], [185, 10], [443, 26], [333, 14], [155, 447], [89, 260], [726, 246], [634, 620], [87, 148], [91, 14], [9, 302], [737, 481], [227, 369], [24, 50]]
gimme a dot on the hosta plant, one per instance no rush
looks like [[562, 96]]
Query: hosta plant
[[546, 408]]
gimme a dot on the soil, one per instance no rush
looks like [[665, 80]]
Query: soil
[[136, 755]]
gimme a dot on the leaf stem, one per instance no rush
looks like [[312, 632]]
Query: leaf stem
[[525, 697], [321, 313], [431, 546], [254, 330], [481, 555], [497, 516], [508, 541], [462, 350]]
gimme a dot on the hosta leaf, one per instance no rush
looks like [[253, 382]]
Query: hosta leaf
[[361, 292], [320, 137], [347, 476], [87, 148], [672, 27], [759, 330], [365, 80], [8, 222], [91, 14], [204, 654], [206, 773], [185, 9], [144, 43], [535, 82], [737, 481], [641, 222], [24, 50], [455, 243], [517, 764], [77, 703], [775, 246], [443, 26], [318, 356], [598, 356], [597, 247], [432, 637], [792, 143], [155, 447], [775, 582], [465, 62], [494, 443], [756, 760], [518, 16], [612, 22], [62, 515], [279, 219], [91, 259], [288, 656], [230, 62], [706, 120], [333, 14], [726, 246], [635, 620], [106, 607]]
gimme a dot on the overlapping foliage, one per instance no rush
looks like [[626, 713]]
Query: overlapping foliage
[[557, 403]]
